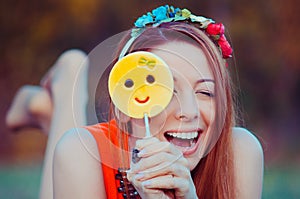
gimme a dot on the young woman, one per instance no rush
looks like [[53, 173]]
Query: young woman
[[195, 150]]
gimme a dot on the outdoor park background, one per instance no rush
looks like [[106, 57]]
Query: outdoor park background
[[265, 37]]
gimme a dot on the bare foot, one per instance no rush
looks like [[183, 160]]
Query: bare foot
[[31, 107], [69, 70]]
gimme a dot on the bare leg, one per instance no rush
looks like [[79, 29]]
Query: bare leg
[[31, 107], [68, 84]]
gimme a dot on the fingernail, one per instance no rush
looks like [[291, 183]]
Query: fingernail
[[135, 156]]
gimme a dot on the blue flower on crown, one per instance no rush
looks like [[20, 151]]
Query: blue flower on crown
[[160, 13], [144, 20]]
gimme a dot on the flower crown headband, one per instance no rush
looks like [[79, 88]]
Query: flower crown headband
[[164, 14]]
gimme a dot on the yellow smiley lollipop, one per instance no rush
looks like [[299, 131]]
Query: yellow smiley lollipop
[[140, 84]]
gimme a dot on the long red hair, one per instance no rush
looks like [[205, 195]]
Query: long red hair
[[214, 175]]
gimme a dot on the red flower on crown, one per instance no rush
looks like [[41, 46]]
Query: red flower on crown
[[225, 47], [216, 31]]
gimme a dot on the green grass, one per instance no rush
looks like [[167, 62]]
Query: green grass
[[22, 182], [282, 183], [19, 182]]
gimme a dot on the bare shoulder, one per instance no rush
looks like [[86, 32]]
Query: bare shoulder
[[78, 141], [248, 163], [77, 171], [246, 142]]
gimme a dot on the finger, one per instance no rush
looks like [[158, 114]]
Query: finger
[[159, 159], [166, 182], [166, 168], [147, 163], [142, 143], [181, 186], [157, 147], [140, 188]]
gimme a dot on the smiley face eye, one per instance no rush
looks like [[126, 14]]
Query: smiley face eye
[[150, 79], [128, 83]]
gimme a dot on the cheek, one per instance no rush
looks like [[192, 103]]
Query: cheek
[[207, 110]]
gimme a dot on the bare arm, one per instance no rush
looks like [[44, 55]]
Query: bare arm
[[77, 171], [249, 164]]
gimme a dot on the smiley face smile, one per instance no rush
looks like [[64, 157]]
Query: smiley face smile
[[142, 101]]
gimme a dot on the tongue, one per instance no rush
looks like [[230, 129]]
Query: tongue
[[180, 142]]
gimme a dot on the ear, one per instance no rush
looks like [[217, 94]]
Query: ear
[[121, 116]]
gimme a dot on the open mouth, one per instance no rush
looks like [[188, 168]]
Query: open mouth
[[142, 101], [185, 141]]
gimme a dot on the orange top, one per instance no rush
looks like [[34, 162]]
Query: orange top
[[113, 156]]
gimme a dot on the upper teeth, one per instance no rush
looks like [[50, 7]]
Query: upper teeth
[[189, 135]]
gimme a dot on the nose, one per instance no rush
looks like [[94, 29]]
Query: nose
[[187, 107]]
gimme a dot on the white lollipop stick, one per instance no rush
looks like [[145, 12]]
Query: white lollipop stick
[[146, 120]]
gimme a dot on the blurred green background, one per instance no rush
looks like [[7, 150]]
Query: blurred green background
[[264, 35]]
